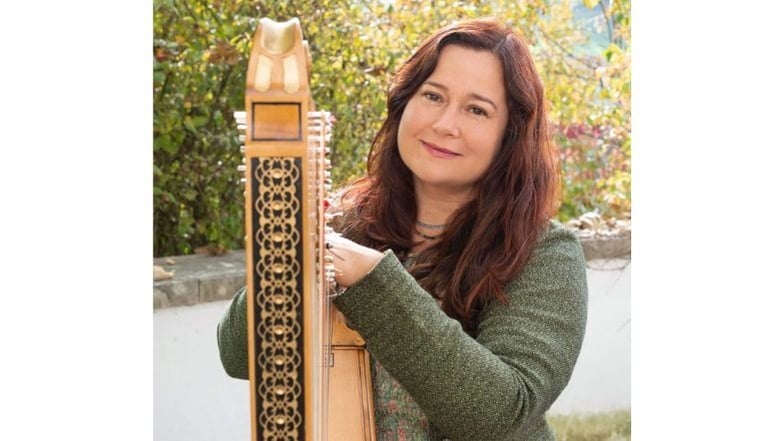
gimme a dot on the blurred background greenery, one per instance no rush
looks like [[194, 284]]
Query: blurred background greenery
[[200, 48], [615, 425]]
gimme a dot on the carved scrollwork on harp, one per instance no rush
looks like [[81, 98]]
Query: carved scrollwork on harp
[[309, 373]]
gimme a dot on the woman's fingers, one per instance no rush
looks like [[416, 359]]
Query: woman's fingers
[[352, 261]]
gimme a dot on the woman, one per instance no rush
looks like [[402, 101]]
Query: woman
[[471, 300]]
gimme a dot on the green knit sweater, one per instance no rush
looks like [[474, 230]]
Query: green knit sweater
[[497, 386]]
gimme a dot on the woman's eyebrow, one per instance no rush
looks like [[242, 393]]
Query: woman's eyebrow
[[472, 95]]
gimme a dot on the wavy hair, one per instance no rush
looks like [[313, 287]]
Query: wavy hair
[[490, 238]]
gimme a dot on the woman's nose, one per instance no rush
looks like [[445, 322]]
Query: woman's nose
[[446, 123]]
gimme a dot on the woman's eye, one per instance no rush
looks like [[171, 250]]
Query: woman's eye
[[478, 111], [430, 96]]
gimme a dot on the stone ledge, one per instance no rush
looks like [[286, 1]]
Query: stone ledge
[[199, 279], [202, 278], [607, 247]]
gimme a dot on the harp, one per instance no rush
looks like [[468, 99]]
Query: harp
[[309, 373]]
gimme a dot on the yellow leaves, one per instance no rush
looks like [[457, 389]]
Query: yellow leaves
[[613, 51], [590, 4]]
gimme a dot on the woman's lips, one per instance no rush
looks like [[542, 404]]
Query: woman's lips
[[439, 152]]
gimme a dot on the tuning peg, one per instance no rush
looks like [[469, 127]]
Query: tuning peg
[[241, 168], [242, 149]]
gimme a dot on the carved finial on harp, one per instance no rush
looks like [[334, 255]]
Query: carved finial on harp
[[277, 61], [279, 37]]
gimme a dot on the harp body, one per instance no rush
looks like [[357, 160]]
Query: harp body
[[309, 373]]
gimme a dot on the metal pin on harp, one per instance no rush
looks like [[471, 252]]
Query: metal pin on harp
[[309, 373]]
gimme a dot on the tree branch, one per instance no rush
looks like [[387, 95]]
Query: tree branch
[[563, 50], [608, 20]]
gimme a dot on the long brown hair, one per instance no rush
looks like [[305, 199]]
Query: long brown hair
[[491, 237]]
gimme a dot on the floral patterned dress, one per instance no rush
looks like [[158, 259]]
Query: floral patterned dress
[[398, 417]]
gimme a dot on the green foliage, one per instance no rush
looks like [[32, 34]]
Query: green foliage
[[201, 46], [588, 85], [197, 82], [605, 426]]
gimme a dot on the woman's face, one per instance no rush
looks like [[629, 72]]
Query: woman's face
[[452, 127]]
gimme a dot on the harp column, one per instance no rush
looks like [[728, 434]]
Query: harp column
[[285, 294]]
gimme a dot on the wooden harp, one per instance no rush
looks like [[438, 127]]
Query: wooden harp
[[309, 373]]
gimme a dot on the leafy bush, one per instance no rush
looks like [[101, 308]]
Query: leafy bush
[[601, 426], [200, 49]]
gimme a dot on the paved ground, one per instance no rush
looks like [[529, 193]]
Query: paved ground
[[195, 400]]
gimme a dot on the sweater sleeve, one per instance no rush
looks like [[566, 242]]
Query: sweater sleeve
[[500, 384], [233, 336]]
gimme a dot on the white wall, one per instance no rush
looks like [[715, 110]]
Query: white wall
[[602, 377]]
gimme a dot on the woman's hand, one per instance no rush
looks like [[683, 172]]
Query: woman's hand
[[352, 261]]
